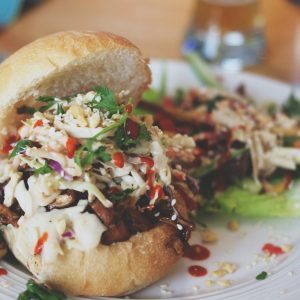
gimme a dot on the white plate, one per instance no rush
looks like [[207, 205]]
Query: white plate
[[242, 247]]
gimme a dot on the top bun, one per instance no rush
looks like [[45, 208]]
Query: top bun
[[66, 63]]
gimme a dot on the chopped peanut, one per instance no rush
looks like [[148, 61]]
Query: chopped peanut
[[233, 225], [224, 283], [208, 236], [78, 113], [209, 283], [286, 248]]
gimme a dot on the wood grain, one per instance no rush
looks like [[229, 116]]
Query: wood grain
[[158, 27]]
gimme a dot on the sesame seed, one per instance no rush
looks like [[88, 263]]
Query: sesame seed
[[179, 226], [173, 218], [173, 202], [157, 214]]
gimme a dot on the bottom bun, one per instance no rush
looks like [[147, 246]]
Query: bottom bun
[[114, 270]]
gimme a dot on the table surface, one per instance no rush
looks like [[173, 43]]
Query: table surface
[[158, 28]]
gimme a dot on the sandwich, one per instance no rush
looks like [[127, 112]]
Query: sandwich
[[87, 202]]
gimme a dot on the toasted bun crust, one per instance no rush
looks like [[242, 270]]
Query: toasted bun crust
[[114, 270], [66, 63]]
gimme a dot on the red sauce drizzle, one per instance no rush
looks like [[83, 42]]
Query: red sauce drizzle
[[3, 272], [272, 249], [196, 252], [132, 129], [197, 271]]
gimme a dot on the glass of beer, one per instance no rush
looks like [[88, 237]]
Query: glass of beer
[[228, 32]]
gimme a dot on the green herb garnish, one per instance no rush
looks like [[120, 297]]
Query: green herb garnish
[[292, 106], [52, 101], [45, 169], [119, 196], [104, 100], [124, 142], [85, 155], [262, 276], [21, 145], [36, 291]]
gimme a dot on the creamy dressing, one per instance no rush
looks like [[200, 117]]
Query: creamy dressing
[[87, 230]]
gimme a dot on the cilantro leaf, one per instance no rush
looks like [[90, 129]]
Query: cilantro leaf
[[44, 169], [51, 101], [91, 155], [262, 276], [104, 100], [124, 142], [292, 106], [119, 196], [41, 292], [21, 145], [86, 154]]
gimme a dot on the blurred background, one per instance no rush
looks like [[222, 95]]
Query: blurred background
[[262, 36]]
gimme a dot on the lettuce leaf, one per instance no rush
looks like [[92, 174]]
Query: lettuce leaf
[[247, 202]]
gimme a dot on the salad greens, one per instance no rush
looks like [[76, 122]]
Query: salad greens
[[246, 200], [35, 291]]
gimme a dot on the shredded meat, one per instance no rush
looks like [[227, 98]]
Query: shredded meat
[[107, 215], [7, 216], [115, 233]]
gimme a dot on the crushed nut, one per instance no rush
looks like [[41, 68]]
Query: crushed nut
[[208, 236], [78, 113], [224, 269], [224, 283], [286, 248], [233, 225], [209, 283]]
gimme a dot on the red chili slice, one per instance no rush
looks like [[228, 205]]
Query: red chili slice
[[150, 177], [118, 159], [148, 161], [38, 123], [40, 243], [71, 147], [156, 190]]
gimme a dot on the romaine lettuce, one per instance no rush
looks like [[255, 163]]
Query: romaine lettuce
[[247, 202]]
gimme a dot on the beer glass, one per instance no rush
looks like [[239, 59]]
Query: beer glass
[[228, 32]]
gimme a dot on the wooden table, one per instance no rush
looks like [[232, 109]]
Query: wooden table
[[158, 27]]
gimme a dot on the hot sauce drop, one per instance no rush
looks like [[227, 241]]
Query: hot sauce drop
[[272, 249], [197, 271], [196, 252], [3, 272]]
